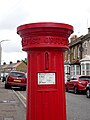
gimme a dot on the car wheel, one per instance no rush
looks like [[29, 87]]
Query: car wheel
[[66, 88], [7, 86], [88, 93], [75, 90], [23, 88]]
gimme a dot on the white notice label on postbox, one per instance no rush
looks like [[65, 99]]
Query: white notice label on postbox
[[46, 78]]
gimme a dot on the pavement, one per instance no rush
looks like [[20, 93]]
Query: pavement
[[10, 106]]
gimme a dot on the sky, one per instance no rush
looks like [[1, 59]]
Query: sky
[[14, 13]]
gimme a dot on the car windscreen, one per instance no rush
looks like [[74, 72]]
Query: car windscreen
[[84, 78], [17, 74]]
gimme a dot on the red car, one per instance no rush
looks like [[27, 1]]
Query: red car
[[77, 83], [16, 79]]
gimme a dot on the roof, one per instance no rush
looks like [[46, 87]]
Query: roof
[[11, 65], [4, 66]]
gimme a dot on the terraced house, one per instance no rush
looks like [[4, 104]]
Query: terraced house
[[77, 57], [18, 66]]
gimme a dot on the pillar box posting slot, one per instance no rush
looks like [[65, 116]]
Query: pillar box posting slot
[[45, 44]]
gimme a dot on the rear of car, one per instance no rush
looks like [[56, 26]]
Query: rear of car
[[77, 83], [16, 79]]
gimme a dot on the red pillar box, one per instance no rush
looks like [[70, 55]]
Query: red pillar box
[[45, 44]]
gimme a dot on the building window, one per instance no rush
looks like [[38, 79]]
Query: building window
[[83, 72], [78, 52], [87, 69], [74, 52], [72, 70], [68, 69], [83, 66], [83, 69], [77, 70]]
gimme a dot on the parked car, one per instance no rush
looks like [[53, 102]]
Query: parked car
[[16, 79], [88, 90], [77, 83]]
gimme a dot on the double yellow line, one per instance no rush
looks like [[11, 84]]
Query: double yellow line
[[20, 97]]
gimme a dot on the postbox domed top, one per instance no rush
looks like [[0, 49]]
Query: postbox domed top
[[45, 24]]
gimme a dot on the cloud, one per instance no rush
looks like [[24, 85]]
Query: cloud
[[7, 57], [13, 17], [13, 13], [12, 47], [14, 43]]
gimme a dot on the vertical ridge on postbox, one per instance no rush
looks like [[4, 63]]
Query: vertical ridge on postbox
[[45, 44]]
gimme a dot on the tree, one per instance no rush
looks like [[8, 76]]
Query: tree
[[25, 61]]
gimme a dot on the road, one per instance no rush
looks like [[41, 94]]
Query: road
[[78, 107], [13, 105]]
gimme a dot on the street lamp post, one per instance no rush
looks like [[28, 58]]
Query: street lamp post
[[1, 55]]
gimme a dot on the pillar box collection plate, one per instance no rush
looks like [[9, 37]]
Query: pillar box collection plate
[[45, 44]]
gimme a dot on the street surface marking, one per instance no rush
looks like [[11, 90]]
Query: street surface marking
[[20, 98], [22, 95]]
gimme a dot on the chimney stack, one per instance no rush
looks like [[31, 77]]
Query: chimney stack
[[10, 62]]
